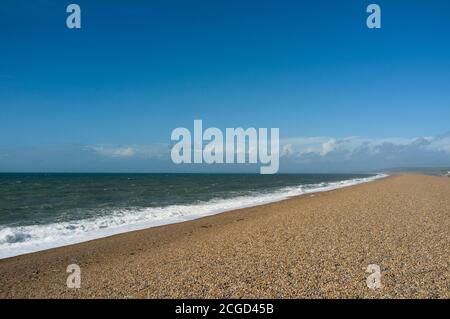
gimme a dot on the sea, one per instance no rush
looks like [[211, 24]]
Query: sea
[[42, 211]]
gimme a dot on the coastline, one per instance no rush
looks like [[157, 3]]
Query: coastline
[[312, 246], [42, 237]]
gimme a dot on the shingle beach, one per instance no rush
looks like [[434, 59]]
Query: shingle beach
[[312, 246]]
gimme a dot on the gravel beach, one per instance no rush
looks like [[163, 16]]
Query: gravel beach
[[312, 246]]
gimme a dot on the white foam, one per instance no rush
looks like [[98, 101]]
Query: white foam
[[26, 239]]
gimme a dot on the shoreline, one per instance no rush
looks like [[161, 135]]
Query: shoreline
[[302, 247], [262, 199]]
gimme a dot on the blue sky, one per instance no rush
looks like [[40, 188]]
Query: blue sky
[[106, 97]]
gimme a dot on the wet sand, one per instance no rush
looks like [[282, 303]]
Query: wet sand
[[306, 247]]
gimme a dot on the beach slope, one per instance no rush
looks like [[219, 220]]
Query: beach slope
[[313, 246]]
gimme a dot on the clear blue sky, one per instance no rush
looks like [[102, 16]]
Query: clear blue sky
[[138, 69]]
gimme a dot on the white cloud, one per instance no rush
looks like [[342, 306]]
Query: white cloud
[[147, 151], [320, 153], [441, 144], [328, 147], [418, 150], [113, 151]]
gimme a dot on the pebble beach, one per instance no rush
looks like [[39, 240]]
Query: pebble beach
[[311, 246]]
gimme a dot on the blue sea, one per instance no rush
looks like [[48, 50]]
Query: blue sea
[[42, 211]]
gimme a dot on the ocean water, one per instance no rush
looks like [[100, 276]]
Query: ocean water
[[41, 211]]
